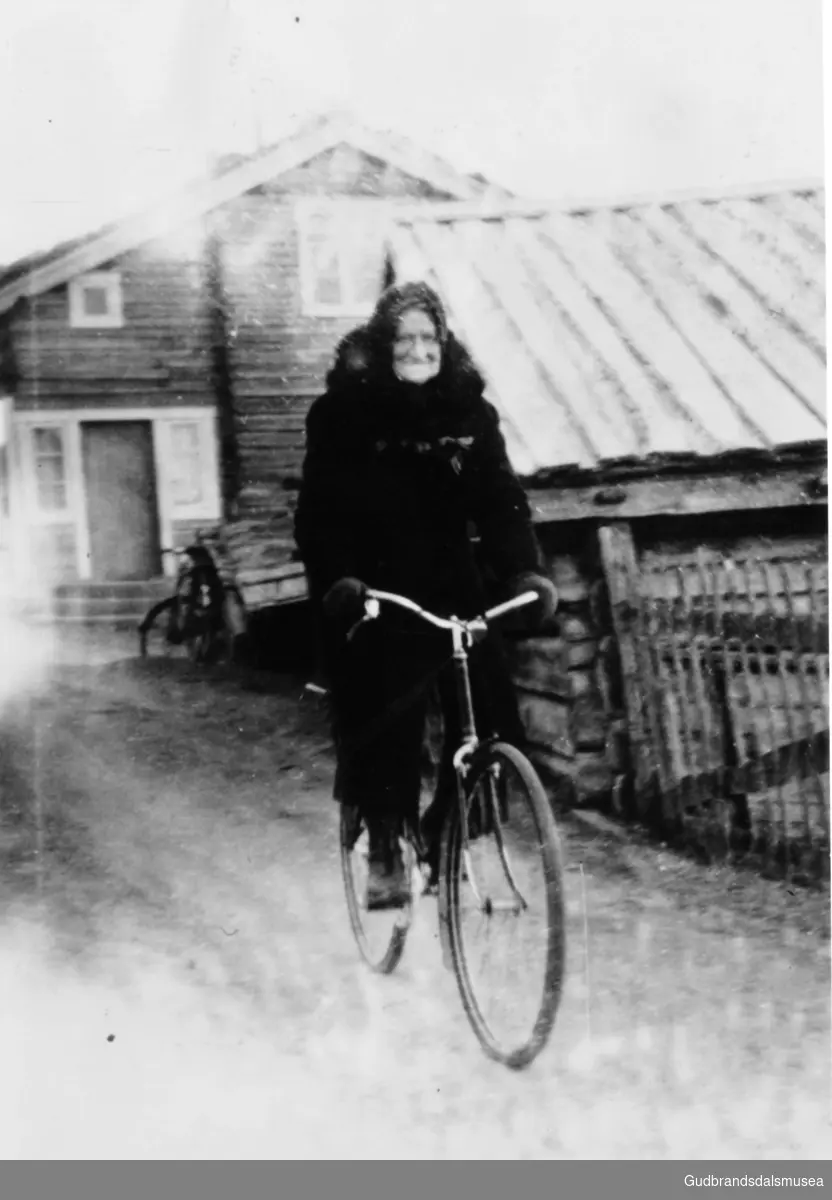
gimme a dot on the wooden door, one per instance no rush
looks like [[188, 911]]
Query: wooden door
[[120, 489]]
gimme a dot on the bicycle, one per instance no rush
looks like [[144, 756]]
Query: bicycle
[[198, 616], [518, 823]]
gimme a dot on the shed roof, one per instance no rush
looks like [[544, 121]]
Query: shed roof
[[645, 330]]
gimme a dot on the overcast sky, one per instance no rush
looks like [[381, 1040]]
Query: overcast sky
[[107, 102]]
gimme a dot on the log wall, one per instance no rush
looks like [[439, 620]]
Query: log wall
[[160, 356], [567, 679]]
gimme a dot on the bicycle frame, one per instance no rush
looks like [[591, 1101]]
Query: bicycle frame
[[464, 635]]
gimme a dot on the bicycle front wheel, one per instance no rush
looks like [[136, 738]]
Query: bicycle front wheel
[[503, 897]]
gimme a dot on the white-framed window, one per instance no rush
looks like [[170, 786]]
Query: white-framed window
[[186, 463], [341, 250], [95, 301], [49, 462]]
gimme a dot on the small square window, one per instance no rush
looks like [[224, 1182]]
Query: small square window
[[95, 301]]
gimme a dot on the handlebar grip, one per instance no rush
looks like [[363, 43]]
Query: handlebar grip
[[509, 605]]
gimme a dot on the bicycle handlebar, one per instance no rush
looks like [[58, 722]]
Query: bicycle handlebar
[[444, 622]]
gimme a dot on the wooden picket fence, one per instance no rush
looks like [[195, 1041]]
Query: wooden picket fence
[[735, 654]]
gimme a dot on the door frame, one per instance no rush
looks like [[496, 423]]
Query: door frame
[[70, 420]]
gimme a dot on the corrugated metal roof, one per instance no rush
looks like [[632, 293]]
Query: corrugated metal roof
[[695, 327]]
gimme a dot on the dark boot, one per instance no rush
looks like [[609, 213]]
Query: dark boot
[[387, 883]]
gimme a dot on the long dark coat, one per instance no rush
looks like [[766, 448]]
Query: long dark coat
[[395, 480]]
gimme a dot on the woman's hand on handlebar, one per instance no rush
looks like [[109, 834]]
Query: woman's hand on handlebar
[[535, 615], [345, 601], [350, 603]]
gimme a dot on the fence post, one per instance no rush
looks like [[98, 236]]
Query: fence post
[[621, 570]]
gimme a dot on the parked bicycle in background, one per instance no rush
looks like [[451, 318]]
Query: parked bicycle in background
[[202, 616]]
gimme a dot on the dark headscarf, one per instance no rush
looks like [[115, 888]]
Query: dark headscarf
[[366, 354], [399, 299]]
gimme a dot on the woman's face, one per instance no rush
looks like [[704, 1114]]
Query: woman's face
[[417, 355]]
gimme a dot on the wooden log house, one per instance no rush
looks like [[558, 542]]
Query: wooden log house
[[111, 447], [156, 375]]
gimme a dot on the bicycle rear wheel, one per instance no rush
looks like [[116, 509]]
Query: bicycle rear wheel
[[504, 906], [380, 935], [155, 633]]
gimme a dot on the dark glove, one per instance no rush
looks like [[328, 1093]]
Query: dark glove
[[344, 602], [539, 614]]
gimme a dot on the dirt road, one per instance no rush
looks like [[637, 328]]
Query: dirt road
[[177, 977]]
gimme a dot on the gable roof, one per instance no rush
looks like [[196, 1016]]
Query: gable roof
[[40, 272], [324, 133], [681, 328]]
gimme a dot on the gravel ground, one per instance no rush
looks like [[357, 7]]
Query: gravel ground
[[178, 978]]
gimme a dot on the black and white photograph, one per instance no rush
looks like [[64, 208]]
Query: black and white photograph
[[414, 583]]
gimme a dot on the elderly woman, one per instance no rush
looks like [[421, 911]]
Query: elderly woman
[[404, 460]]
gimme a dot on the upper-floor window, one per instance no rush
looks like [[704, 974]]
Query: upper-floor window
[[50, 468], [95, 301], [341, 256]]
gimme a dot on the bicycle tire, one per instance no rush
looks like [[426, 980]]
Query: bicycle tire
[[384, 958], [148, 628], [156, 632], [451, 882]]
